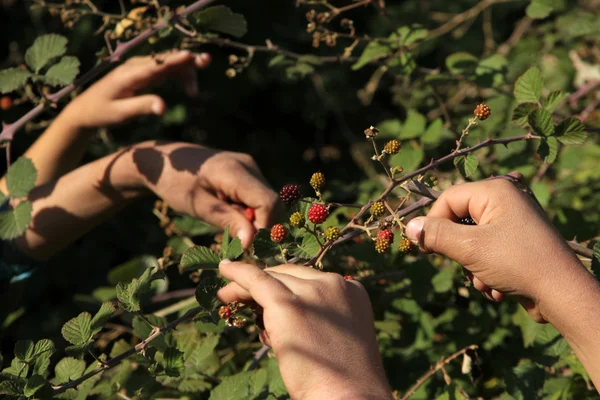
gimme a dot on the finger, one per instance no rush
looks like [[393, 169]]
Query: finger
[[234, 292], [497, 295], [190, 81], [148, 104], [445, 237], [482, 287], [264, 338], [262, 287], [298, 271], [202, 60]]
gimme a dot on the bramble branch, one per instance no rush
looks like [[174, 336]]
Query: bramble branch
[[9, 130]]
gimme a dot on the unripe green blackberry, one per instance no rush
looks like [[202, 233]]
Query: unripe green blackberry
[[392, 147], [317, 181], [405, 245], [382, 245], [297, 220], [278, 233], [377, 209], [332, 233]]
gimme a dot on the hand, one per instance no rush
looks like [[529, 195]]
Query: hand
[[207, 184], [113, 99], [514, 249], [320, 327]]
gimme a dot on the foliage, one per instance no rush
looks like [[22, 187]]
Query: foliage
[[391, 66]]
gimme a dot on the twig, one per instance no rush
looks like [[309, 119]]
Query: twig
[[257, 357], [435, 368]]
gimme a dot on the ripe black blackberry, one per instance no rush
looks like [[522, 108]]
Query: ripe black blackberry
[[290, 194], [467, 221]]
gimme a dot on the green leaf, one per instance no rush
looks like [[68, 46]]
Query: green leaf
[[222, 19], [414, 126], [244, 385], [529, 328], [68, 369], [35, 383], [524, 381], [466, 165], [443, 281], [540, 9], [548, 149], [172, 362], [372, 52], [278, 59], [42, 352], [528, 87], [541, 122], [389, 128], [224, 243], [521, 113], [24, 350], [571, 131], [433, 135], [12, 79], [409, 34], [14, 222], [78, 331], [44, 49], [263, 246], [142, 328], [491, 71], [102, 316], [402, 64], [130, 294], [462, 63], [308, 249], [17, 368], [230, 249], [206, 293], [410, 157], [62, 73], [299, 70], [553, 100], [11, 388], [199, 257], [193, 227], [20, 178]]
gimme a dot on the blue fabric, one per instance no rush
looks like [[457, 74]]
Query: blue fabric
[[14, 265]]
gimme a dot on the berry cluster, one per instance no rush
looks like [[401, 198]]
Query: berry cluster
[[278, 233], [317, 214], [384, 241], [482, 111], [377, 209], [228, 314], [290, 194]]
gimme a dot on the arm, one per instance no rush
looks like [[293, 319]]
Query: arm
[[112, 100], [320, 327], [199, 181], [515, 250]]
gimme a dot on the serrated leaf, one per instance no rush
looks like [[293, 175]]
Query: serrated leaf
[[172, 362], [466, 165], [529, 328], [224, 242], [443, 281], [199, 257], [541, 122], [78, 331], [12, 79], [528, 87], [414, 126], [462, 63], [222, 19], [239, 386], [571, 131], [63, 72], [539, 9], [14, 222], [409, 34], [42, 352], [143, 329], [548, 149], [372, 52], [235, 249], [24, 350], [35, 383], [20, 178], [130, 294], [11, 388], [554, 99], [68, 369], [524, 381], [263, 246], [308, 249], [521, 113], [44, 49], [206, 293], [193, 227], [102, 316]]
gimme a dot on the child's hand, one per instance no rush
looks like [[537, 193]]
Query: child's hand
[[320, 327], [514, 249], [205, 183], [114, 99]]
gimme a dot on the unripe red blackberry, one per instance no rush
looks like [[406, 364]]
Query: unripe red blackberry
[[224, 312], [317, 181], [278, 233], [377, 209], [348, 277], [386, 235], [382, 245], [467, 221], [250, 214], [6, 103], [405, 245], [332, 233], [317, 214], [297, 220], [482, 111], [290, 194], [392, 147]]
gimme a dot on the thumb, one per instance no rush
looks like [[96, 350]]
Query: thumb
[[440, 235], [140, 105]]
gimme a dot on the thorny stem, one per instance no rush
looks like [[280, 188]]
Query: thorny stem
[[465, 132], [435, 368], [137, 349], [379, 157]]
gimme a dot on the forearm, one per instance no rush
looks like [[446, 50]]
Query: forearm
[[65, 209], [572, 307], [57, 151]]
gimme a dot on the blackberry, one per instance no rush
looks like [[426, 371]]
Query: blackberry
[[224, 312], [297, 220], [382, 245], [386, 235], [377, 209], [392, 147], [482, 111], [290, 194], [317, 214], [405, 245], [332, 233], [317, 180], [278, 233], [467, 221]]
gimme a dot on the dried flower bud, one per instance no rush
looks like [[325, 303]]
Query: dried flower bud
[[310, 16], [233, 59], [311, 27], [230, 73], [371, 132]]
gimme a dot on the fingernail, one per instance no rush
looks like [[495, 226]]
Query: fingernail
[[157, 108], [225, 261], [184, 53], [414, 229]]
